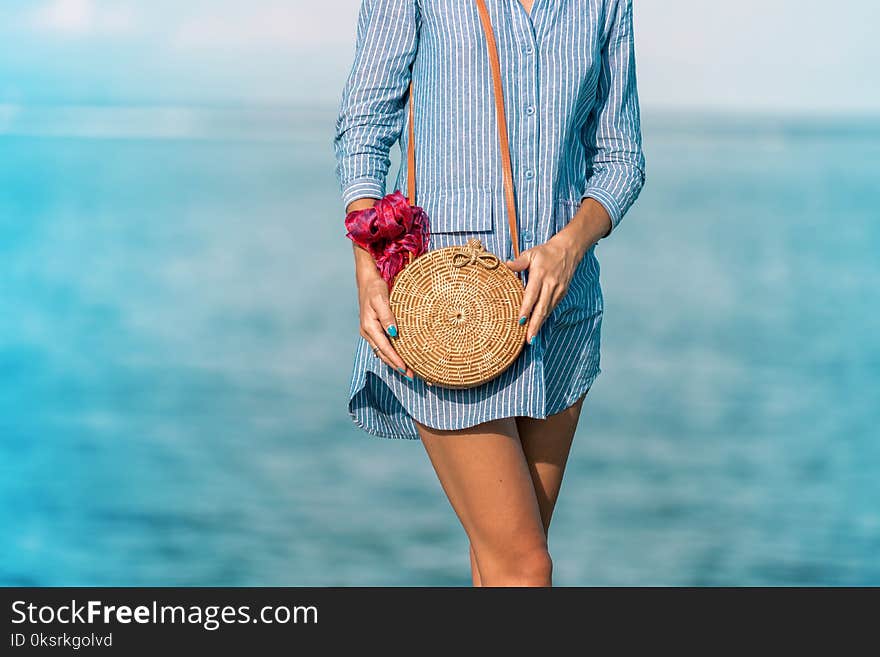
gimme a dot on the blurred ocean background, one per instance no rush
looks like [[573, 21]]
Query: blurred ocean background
[[177, 325]]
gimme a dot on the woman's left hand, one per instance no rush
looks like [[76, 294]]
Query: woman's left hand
[[551, 266]]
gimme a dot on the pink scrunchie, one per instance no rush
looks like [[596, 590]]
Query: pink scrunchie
[[390, 230]]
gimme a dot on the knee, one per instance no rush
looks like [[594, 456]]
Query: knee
[[536, 567], [522, 566]]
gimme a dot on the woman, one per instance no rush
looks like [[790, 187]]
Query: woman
[[571, 105]]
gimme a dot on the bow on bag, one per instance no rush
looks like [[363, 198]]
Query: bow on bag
[[473, 253], [392, 231]]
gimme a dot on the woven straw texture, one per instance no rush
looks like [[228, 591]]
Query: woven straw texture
[[457, 312]]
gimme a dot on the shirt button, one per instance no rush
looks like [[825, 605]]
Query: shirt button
[[527, 236], [530, 173], [530, 109], [528, 50]]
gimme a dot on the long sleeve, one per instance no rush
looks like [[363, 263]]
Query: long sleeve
[[371, 112], [613, 139]]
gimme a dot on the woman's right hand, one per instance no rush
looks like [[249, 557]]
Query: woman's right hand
[[377, 320]]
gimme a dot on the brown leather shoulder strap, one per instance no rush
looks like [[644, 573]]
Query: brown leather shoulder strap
[[506, 168], [411, 153]]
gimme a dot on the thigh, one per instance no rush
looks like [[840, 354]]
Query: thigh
[[484, 473], [546, 444]]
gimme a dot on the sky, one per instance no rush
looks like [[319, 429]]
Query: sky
[[793, 56]]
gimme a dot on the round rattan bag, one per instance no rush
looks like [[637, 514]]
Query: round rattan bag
[[457, 312]]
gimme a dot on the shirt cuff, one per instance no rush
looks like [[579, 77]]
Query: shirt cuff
[[362, 188], [608, 202]]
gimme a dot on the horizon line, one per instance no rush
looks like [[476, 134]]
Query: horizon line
[[285, 121]]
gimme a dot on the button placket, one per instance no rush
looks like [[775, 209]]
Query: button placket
[[525, 145], [528, 145]]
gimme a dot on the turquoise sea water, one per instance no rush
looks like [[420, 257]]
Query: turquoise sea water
[[178, 317]]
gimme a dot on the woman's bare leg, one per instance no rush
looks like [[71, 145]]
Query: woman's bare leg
[[476, 580], [484, 473], [546, 444]]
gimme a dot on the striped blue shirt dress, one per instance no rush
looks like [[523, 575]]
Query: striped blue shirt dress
[[569, 78]]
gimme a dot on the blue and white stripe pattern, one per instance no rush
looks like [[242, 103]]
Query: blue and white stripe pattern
[[573, 119]]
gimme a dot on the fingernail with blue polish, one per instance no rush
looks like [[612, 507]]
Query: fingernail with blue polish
[[522, 320], [532, 341], [409, 378], [402, 370], [392, 331]]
